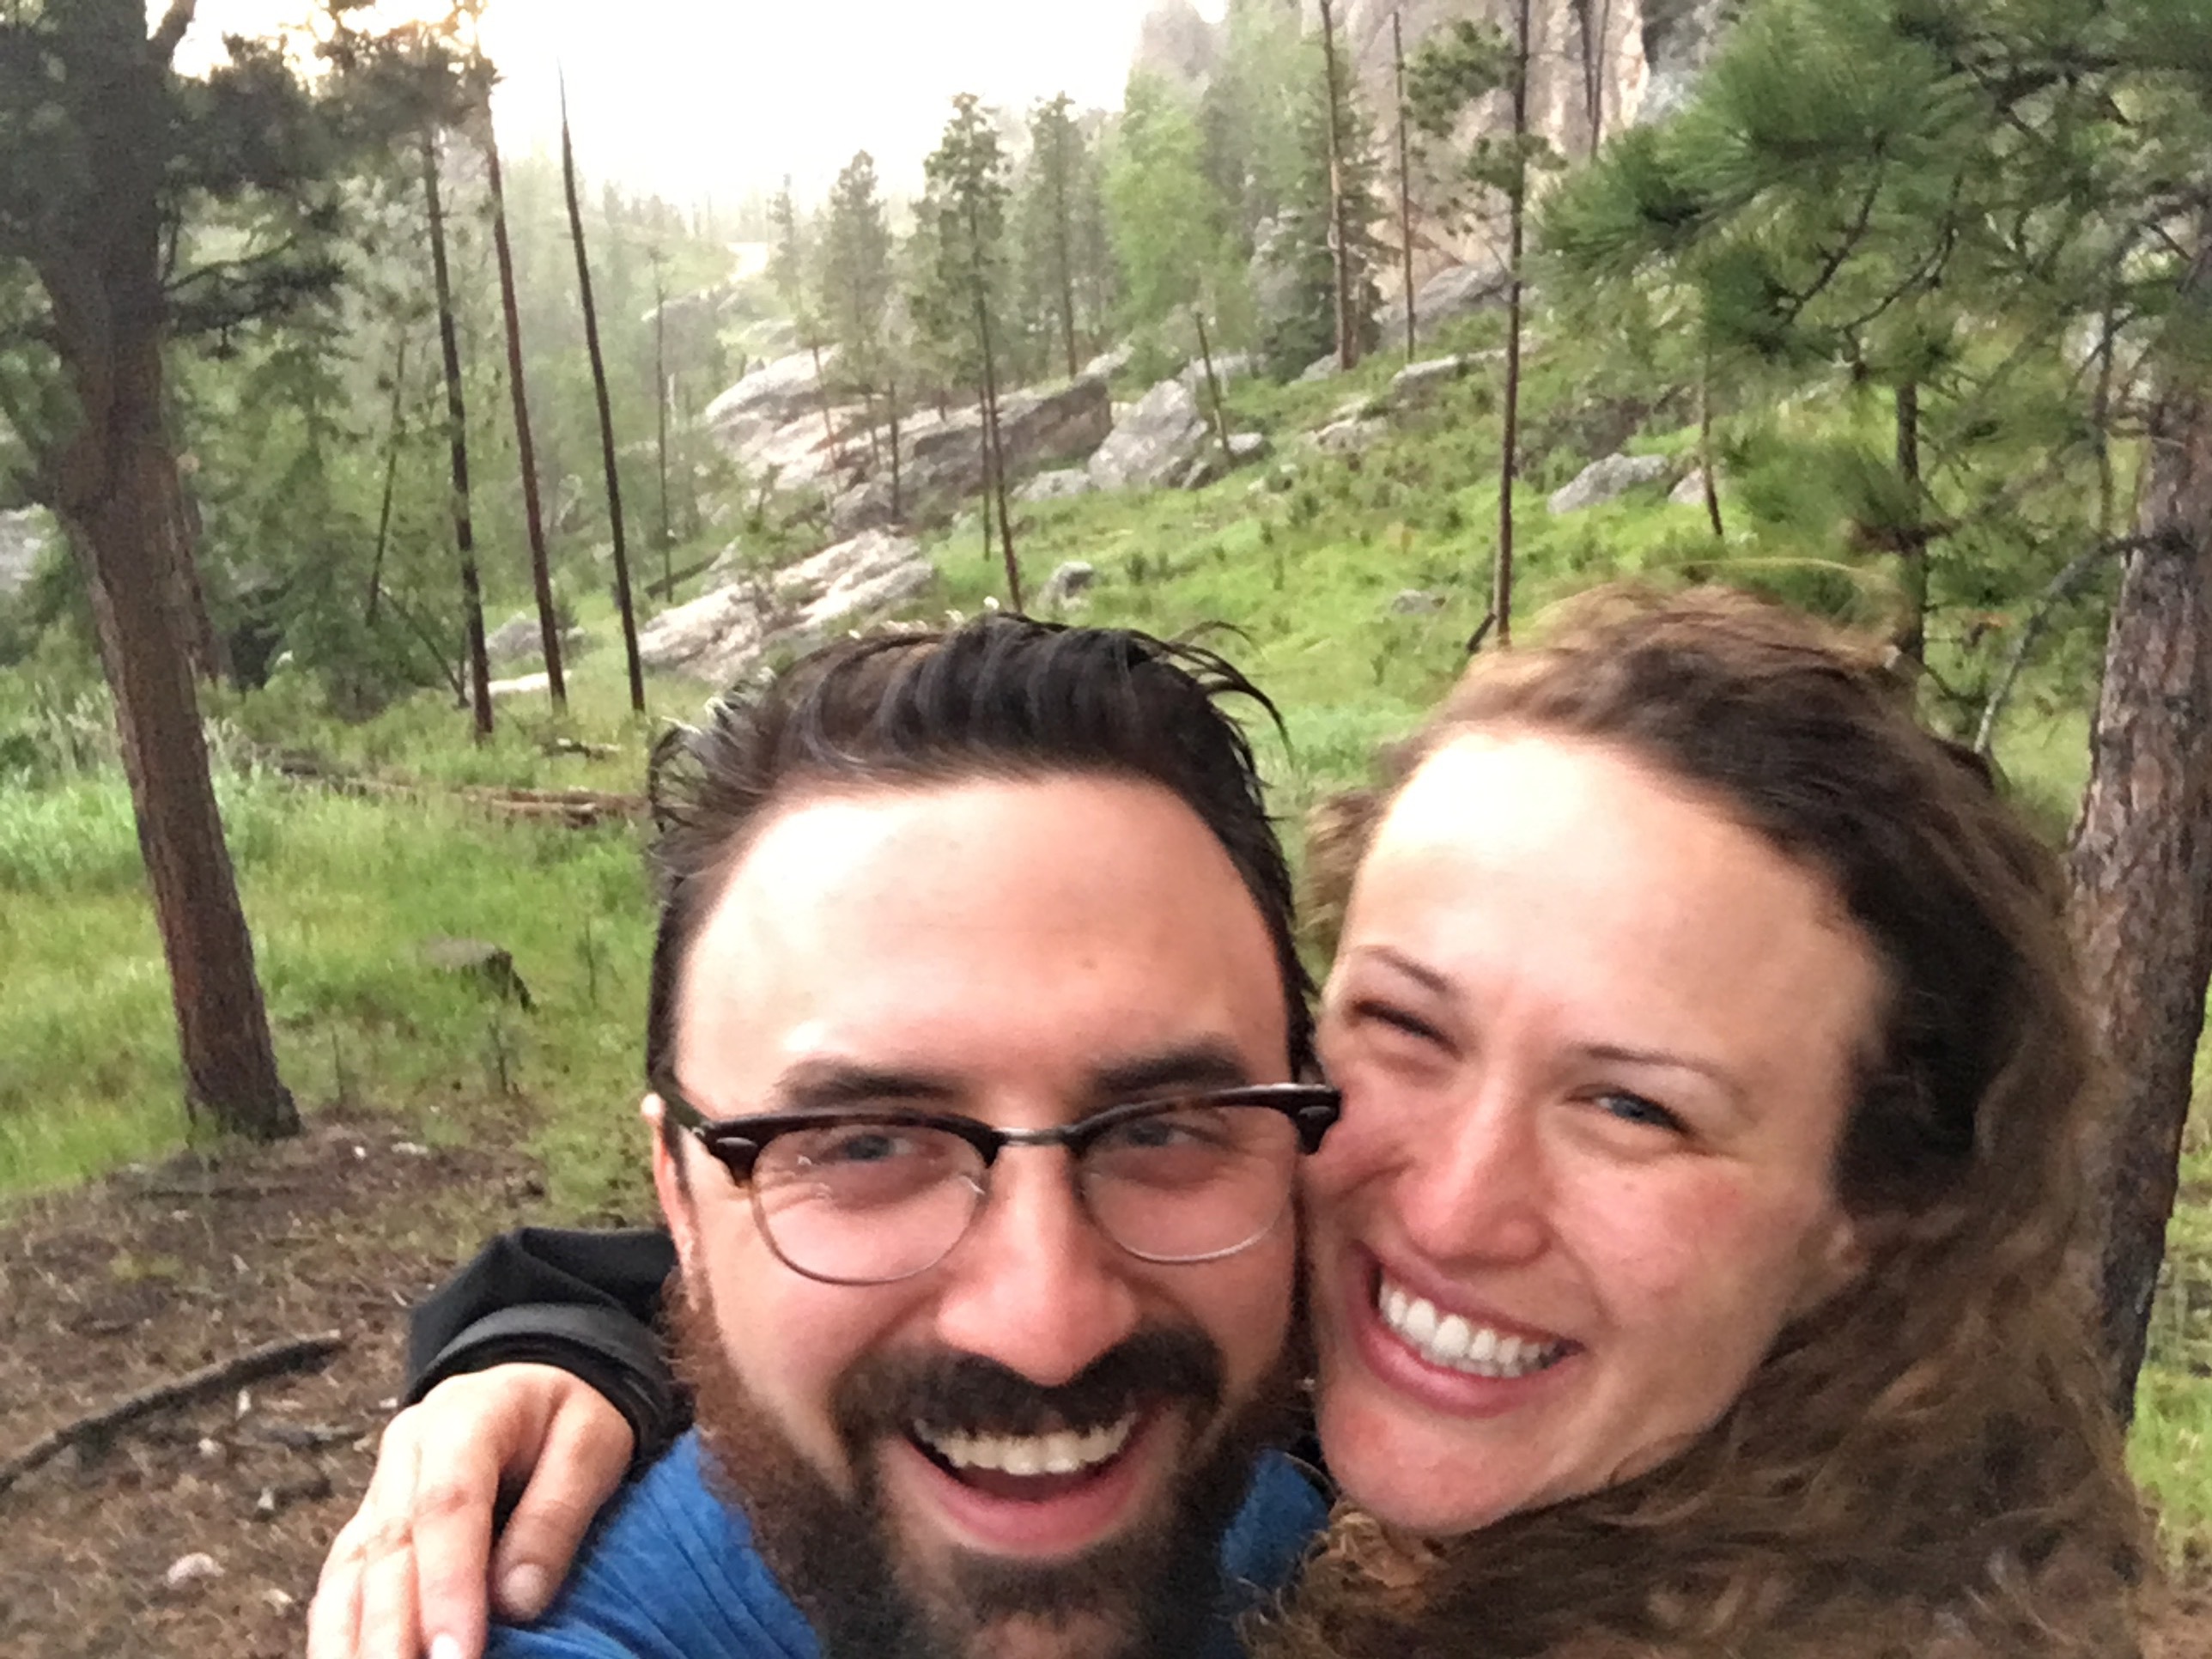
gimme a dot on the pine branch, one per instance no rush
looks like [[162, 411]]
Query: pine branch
[[1833, 265], [171, 33]]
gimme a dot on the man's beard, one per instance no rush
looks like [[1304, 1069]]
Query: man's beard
[[1147, 1592]]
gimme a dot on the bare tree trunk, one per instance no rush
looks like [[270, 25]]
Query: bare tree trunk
[[622, 598], [209, 659], [1912, 539], [996, 464], [457, 435], [1348, 337], [661, 412], [1509, 464], [116, 479], [1404, 182], [541, 569], [1708, 468], [892, 395], [1213, 388], [390, 479], [1594, 19], [2142, 856], [1063, 249]]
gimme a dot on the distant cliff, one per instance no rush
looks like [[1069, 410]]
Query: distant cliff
[[1643, 59]]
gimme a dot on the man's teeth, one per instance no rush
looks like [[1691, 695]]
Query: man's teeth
[[1448, 1340], [1062, 1453]]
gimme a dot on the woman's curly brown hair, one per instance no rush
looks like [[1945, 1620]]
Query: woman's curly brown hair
[[1927, 1463]]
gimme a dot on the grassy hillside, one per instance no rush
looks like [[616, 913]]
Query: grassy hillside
[[1298, 559]]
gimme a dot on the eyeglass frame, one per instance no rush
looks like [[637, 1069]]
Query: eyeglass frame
[[736, 1143]]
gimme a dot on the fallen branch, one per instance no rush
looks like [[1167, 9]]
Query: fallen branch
[[296, 1353]]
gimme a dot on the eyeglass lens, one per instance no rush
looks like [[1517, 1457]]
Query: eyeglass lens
[[868, 1203]]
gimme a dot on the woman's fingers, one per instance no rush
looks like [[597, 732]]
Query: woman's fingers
[[587, 1447], [408, 1575]]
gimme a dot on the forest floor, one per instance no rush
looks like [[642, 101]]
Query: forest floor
[[157, 1272]]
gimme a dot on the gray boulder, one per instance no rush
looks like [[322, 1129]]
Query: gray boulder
[[24, 538], [1691, 492], [1418, 384], [942, 461], [1227, 368], [1107, 364], [1456, 291], [1417, 602], [1059, 485], [513, 640], [1210, 465], [1154, 443], [1067, 586], [770, 396], [1349, 437], [723, 635], [1321, 369], [1609, 479]]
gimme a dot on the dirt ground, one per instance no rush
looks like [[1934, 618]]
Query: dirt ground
[[155, 1274]]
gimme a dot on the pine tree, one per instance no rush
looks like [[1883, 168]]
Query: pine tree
[[1048, 215], [960, 300], [855, 282], [1934, 203], [1305, 328], [1165, 218]]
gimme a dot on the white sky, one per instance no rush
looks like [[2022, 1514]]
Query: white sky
[[693, 98]]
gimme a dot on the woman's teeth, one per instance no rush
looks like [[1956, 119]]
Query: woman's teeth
[[1062, 1453], [1450, 1341]]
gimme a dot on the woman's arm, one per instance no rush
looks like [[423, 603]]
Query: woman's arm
[[534, 1367]]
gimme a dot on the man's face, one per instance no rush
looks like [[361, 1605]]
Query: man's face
[[1024, 954]]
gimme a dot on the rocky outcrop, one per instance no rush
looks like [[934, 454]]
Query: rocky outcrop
[[1679, 38], [1064, 483], [1350, 437], [1418, 384], [24, 538], [723, 635], [1609, 480], [1211, 464], [944, 459], [1455, 291], [770, 397], [1154, 443]]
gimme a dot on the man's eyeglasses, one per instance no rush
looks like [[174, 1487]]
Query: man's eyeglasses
[[871, 1196]]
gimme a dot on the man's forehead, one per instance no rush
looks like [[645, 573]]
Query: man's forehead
[[1091, 920]]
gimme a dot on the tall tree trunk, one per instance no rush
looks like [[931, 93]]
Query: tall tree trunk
[[116, 497], [1063, 247], [622, 598], [1912, 539], [660, 428], [2142, 856], [209, 661], [1708, 468], [1509, 462], [996, 463], [891, 394], [391, 480], [1348, 337], [456, 435], [1594, 19], [1404, 182], [541, 569], [1213, 388]]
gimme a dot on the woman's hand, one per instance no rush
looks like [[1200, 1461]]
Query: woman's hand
[[409, 1574]]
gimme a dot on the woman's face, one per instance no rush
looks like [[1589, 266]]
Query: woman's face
[[1597, 1042]]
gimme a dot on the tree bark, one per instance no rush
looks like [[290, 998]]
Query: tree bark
[[116, 499], [622, 598], [456, 438], [541, 570], [390, 479], [1347, 336], [1912, 539], [1213, 389], [1509, 464], [2141, 854], [1405, 183]]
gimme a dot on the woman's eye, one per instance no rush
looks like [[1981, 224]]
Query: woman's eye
[[1635, 1108], [1395, 1019]]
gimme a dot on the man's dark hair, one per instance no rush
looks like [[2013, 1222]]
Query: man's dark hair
[[997, 698]]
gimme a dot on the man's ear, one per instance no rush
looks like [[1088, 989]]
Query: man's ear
[[671, 1184]]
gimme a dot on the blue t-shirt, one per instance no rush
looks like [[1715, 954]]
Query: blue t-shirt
[[670, 1573]]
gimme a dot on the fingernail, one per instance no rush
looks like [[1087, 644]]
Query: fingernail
[[444, 1647], [525, 1590]]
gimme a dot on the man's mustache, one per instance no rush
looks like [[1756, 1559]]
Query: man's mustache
[[958, 1392]]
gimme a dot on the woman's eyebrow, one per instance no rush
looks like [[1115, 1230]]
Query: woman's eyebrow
[[1397, 961], [1619, 1054]]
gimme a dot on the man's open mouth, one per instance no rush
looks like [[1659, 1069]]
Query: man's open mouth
[[1031, 1467]]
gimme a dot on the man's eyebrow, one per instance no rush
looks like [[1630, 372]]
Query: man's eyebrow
[[1207, 1063], [821, 1086]]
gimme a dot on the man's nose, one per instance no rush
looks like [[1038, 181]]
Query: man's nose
[[1035, 1285]]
